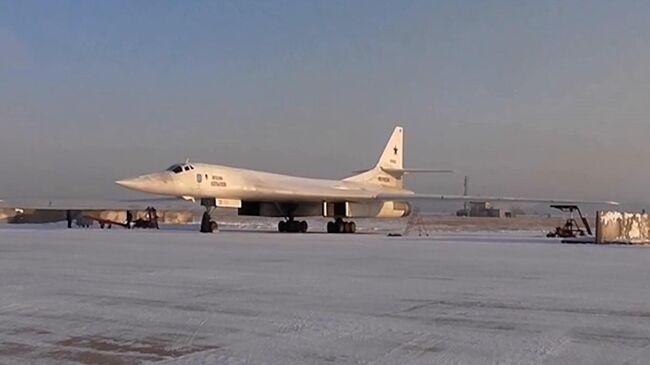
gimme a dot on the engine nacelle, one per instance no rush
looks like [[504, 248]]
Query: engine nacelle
[[387, 209], [266, 209], [395, 209]]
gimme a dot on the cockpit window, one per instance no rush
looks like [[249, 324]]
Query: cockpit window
[[180, 167], [177, 169]]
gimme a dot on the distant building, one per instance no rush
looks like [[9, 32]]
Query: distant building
[[483, 209]]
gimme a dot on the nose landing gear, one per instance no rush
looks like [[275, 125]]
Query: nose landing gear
[[340, 226], [292, 226], [207, 224]]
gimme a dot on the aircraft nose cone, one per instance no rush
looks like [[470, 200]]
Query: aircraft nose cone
[[157, 183], [145, 183], [138, 183]]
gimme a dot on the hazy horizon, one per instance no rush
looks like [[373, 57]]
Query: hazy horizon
[[532, 99]]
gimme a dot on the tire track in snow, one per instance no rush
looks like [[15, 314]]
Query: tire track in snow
[[421, 349]]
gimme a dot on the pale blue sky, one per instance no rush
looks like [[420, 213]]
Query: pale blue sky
[[530, 98]]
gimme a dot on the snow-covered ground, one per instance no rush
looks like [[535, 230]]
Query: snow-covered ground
[[179, 297]]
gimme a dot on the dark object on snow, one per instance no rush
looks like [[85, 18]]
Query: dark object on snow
[[581, 240]]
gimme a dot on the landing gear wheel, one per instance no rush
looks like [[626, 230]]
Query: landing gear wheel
[[352, 227], [206, 225], [331, 227], [340, 226], [292, 226], [214, 226], [349, 227]]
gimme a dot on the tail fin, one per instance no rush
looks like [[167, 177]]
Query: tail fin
[[389, 169], [393, 155]]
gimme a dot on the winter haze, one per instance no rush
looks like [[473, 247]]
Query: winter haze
[[544, 99]]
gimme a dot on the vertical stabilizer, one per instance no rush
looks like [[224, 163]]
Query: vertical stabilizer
[[393, 156], [388, 171]]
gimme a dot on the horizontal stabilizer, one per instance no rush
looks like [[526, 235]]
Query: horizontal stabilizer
[[409, 171], [416, 171]]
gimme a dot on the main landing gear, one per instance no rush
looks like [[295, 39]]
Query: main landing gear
[[207, 224], [292, 226], [340, 226]]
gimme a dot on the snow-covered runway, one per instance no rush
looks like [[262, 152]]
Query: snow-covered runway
[[128, 297]]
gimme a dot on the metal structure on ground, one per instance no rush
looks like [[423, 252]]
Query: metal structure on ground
[[571, 227]]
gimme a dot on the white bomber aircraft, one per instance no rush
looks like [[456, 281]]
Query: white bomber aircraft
[[377, 193]]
